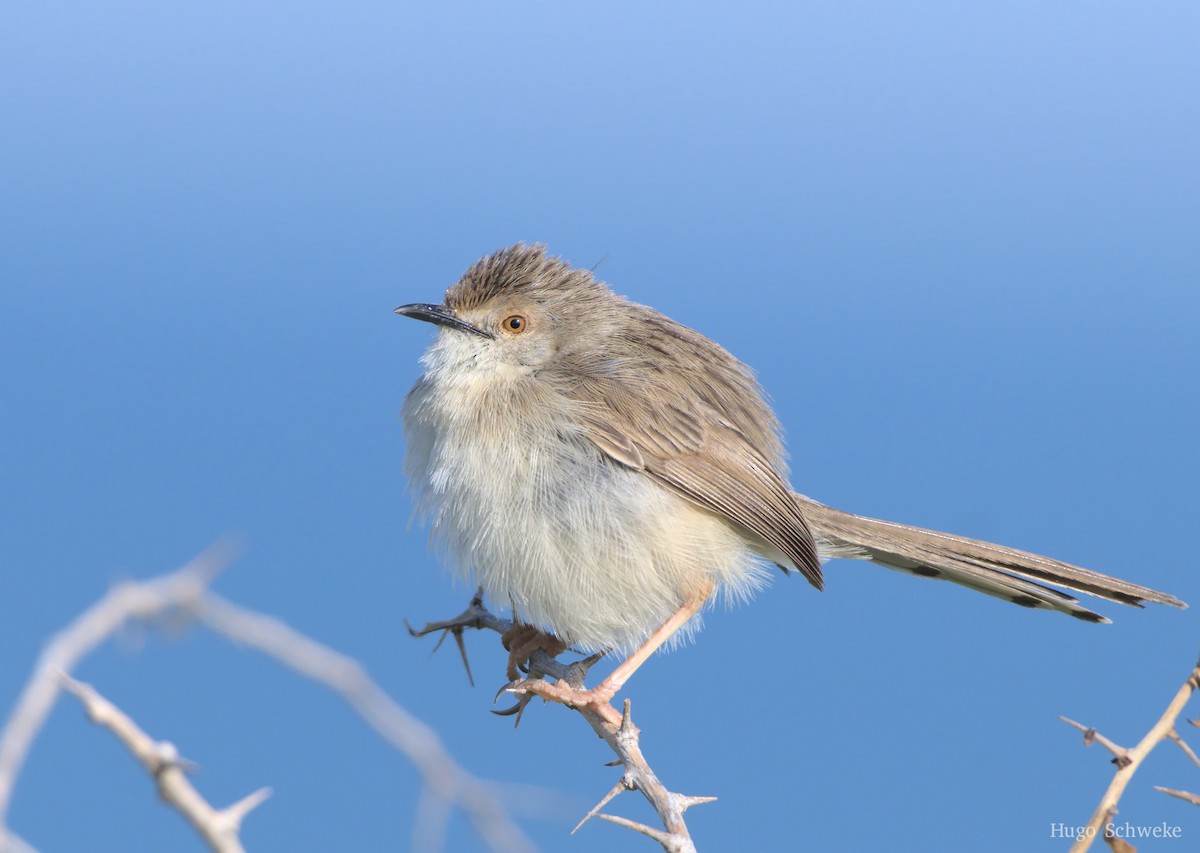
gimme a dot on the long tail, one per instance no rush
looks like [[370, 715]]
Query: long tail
[[1016, 576]]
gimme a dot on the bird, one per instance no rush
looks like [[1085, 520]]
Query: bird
[[607, 472]]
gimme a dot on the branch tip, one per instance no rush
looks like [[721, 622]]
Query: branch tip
[[618, 788], [236, 812], [1186, 796], [687, 802]]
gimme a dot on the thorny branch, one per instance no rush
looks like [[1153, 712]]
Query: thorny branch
[[1128, 760], [615, 728], [218, 827], [184, 594]]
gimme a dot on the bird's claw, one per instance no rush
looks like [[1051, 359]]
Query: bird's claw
[[518, 709], [522, 641]]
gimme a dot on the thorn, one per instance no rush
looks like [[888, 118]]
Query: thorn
[[166, 754], [664, 838], [587, 663], [457, 631], [214, 559], [619, 788], [453, 626], [469, 618], [627, 727], [1186, 796], [236, 812], [462, 650], [686, 803], [441, 640]]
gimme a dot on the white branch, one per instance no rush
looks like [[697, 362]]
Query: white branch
[[417, 741], [185, 592], [1186, 796], [124, 602], [218, 827], [1129, 760]]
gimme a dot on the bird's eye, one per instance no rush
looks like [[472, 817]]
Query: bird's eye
[[514, 323]]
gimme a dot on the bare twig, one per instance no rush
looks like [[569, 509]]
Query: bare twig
[[218, 827], [1186, 796], [346, 676], [1090, 736], [123, 602], [1183, 744], [615, 728], [1128, 760], [184, 593]]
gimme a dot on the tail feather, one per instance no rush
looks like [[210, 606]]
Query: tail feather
[[1016, 576]]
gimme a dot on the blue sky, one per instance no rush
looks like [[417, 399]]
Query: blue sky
[[957, 242]]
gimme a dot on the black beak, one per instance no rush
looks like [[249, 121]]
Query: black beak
[[442, 316]]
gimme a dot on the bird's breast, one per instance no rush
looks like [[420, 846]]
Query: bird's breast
[[519, 499]]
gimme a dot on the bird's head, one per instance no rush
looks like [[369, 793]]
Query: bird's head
[[513, 312]]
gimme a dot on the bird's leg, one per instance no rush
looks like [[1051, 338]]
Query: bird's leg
[[602, 693], [522, 641], [617, 678]]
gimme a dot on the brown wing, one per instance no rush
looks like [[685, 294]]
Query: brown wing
[[697, 453]]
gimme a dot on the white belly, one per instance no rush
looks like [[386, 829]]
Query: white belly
[[575, 543]]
